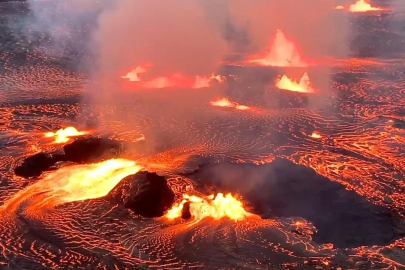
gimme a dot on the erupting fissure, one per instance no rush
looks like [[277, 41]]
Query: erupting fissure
[[64, 135], [303, 86], [217, 207], [282, 52]]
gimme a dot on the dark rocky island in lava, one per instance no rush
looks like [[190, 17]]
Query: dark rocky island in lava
[[186, 151]]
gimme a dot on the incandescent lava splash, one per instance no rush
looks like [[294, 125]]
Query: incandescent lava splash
[[303, 86], [64, 135], [216, 207], [282, 52], [316, 135]]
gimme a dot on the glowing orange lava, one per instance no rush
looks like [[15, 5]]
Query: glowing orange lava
[[75, 183], [316, 135], [303, 86], [224, 102], [339, 7], [64, 135], [282, 52], [363, 6], [216, 207]]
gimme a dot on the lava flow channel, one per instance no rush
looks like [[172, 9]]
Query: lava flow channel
[[282, 52], [64, 135], [224, 102], [74, 183], [216, 207], [303, 86]]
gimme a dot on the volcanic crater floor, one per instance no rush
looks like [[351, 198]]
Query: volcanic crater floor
[[327, 201], [284, 189]]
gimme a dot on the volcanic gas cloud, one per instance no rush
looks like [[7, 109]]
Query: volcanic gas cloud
[[282, 52]]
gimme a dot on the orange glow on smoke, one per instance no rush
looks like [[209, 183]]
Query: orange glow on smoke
[[216, 207], [133, 75], [64, 135], [362, 6], [179, 80], [171, 81], [282, 52], [303, 86], [339, 7], [224, 102]]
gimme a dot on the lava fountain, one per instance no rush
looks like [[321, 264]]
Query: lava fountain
[[75, 183], [303, 86], [64, 135], [363, 6], [282, 52], [315, 135], [224, 102], [216, 207]]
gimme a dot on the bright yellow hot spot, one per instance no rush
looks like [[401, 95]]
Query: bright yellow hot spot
[[219, 207], [316, 135], [362, 6], [64, 135]]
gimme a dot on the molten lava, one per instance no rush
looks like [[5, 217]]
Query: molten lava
[[224, 102], [133, 75], [64, 135], [216, 207], [363, 6], [303, 86], [339, 7], [76, 183], [316, 135], [282, 52]]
